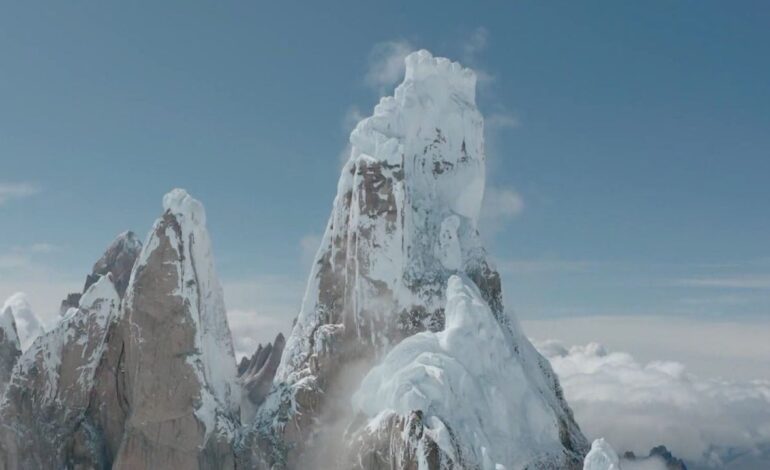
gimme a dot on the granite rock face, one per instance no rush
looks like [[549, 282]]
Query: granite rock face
[[181, 392], [43, 412], [141, 374]]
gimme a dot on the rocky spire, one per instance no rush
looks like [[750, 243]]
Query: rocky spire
[[181, 386], [10, 348], [256, 375], [118, 260], [403, 222]]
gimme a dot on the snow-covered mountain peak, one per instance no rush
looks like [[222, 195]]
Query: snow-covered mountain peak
[[400, 250]]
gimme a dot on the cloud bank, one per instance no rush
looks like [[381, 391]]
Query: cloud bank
[[636, 406]]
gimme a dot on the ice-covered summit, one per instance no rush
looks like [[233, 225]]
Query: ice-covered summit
[[403, 223]]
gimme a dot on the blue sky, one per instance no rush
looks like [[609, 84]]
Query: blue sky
[[629, 152]]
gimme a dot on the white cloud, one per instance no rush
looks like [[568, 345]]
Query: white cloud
[[637, 406], [386, 64], [736, 350], [9, 191]]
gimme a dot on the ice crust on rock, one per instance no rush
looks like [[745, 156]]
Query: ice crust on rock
[[403, 222], [212, 330], [407, 205], [466, 379], [601, 457], [28, 326]]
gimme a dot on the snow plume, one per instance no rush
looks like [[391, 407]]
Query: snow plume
[[386, 64], [710, 422], [27, 323]]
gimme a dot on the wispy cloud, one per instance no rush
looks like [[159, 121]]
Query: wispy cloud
[[471, 48], [537, 266], [752, 281], [386, 64], [500, 121], [475, 43], [10, 191]]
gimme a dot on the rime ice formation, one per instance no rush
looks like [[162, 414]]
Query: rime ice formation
[[27, 324], [403, 222], [476, 398], [601, 457], [182, 388], [43, 409]]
